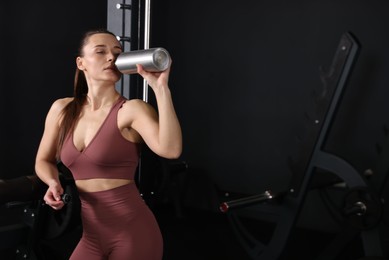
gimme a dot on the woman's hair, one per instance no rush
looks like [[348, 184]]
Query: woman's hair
[[71, 112]]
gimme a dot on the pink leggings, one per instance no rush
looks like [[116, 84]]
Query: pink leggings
[[117, 225]]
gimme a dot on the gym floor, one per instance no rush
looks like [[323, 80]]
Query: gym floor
[[198, 234], [209, 236]]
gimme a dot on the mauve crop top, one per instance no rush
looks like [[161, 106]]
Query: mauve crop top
[[109, 155]]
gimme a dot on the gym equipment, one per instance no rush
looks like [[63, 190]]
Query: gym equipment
[[162, 180], [40, 221], [362, 206], [20, 190], [131, 23]]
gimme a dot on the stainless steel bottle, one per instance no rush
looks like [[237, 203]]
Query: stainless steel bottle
[[153, 59]]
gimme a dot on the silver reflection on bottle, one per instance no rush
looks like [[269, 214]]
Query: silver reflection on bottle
[[153, 60]]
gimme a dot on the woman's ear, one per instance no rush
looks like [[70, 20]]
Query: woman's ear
[[79, 63]]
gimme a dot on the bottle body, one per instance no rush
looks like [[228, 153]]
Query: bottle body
[[153, 60]]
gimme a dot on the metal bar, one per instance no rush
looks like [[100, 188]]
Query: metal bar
[[247, 201], [146, 45]]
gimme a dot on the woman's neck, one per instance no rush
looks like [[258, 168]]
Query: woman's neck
[[101, 100]]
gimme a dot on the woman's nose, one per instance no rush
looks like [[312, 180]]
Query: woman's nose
[[111, 57]]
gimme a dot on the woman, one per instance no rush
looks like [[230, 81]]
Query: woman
[[97, 135]]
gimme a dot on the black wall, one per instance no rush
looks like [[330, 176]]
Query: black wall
[[39, 46], [242, 79]]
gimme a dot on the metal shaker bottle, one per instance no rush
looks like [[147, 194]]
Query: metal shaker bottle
[[153, 60]]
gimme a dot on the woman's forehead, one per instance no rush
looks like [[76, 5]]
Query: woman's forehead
[[102, 39]]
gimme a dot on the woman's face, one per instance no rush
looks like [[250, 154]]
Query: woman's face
[[98, 59]]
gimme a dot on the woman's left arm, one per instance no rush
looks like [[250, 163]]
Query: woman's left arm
[[163, 134]]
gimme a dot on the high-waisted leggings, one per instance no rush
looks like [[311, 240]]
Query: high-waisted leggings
[[117, 225]]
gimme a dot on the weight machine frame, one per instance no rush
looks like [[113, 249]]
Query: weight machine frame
[[364, 207]]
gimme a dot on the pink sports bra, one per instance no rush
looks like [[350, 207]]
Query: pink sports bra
[[109, 155]]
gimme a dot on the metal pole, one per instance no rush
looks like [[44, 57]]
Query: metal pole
[[146, 45]]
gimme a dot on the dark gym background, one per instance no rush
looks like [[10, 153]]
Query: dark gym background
[[242, 79]]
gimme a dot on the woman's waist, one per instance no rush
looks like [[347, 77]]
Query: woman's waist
[[101, 184]]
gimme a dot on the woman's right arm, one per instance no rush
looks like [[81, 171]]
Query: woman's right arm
[[45, 161]]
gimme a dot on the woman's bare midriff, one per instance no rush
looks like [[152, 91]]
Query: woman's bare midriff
[[93, 185]]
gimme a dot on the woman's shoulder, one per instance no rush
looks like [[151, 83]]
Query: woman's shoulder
[[135, 103], [60, 103], [134, 108]]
